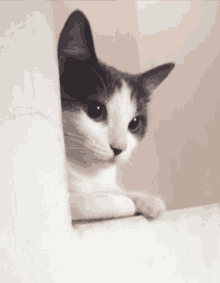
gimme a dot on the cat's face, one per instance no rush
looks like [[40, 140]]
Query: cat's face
[[104, 110], [103, 131]]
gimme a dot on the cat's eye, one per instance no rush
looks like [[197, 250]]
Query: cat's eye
[[134, 125], [96, 111]]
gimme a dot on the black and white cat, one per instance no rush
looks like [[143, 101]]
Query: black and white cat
[[104, 115]]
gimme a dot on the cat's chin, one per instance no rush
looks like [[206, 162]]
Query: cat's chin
[[112, 159], [106, 160], [117, 160]]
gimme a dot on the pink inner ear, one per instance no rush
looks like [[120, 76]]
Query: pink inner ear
[[155, 76], [153, 84], [74, 50]]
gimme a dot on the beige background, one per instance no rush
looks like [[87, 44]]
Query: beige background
[[179, 158]]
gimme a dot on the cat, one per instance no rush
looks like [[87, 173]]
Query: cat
[[104, 117]]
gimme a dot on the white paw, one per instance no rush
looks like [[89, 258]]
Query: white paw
[[150, 207]]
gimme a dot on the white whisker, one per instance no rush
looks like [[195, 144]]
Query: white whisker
[[129, 162]]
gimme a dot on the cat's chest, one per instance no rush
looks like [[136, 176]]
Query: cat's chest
[[90, 180]]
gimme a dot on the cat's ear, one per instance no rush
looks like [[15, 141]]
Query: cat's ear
[[152, 78], [76, 39]]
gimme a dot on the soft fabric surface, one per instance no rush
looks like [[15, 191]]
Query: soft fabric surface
[[184, 246]]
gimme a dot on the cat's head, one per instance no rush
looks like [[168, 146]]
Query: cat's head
[[104, 110]]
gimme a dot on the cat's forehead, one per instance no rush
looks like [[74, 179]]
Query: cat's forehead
[[121, 103], [123, 87]]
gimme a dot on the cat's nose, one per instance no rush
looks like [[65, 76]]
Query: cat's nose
[[116, 151]]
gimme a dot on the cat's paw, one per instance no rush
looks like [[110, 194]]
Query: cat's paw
[[99, 205], [150, 207]]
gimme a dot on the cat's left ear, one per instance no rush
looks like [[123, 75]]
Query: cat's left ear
[[76, 40], [152, 78]]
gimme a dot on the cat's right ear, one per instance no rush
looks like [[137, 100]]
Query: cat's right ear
[[152, 78], [76, 39]]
